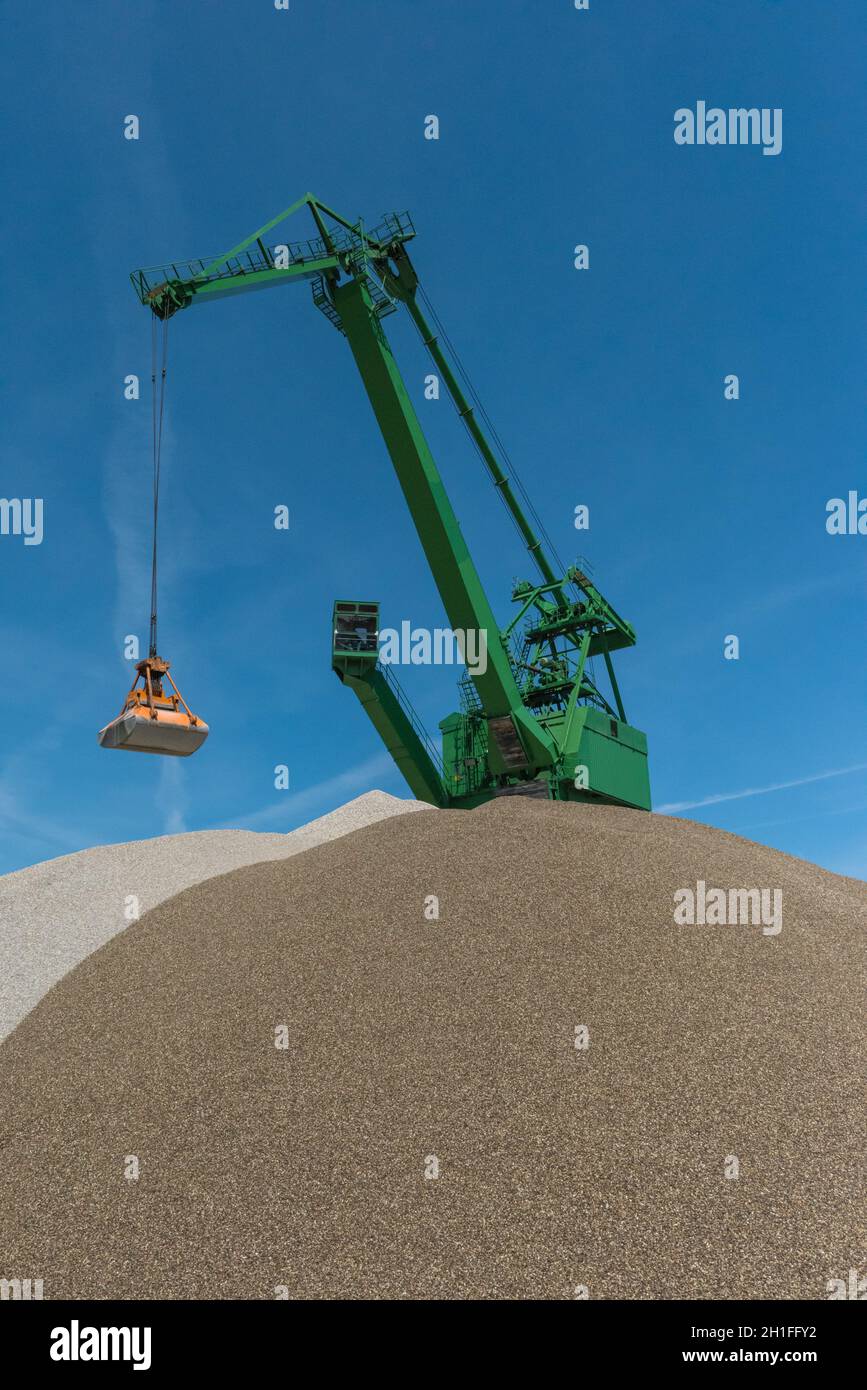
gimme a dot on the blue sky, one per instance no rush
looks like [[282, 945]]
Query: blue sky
[[556, 128]]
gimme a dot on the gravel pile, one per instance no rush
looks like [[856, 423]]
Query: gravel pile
[[431, 1129], [54, 914]]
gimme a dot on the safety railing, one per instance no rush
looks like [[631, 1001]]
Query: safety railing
[[419, 729], [394, 227]]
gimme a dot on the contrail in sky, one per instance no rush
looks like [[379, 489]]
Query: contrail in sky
[[674, 806]]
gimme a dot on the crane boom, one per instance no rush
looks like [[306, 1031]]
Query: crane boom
[[456, 577]]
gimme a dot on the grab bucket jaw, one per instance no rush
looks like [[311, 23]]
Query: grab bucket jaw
[[153, 721]]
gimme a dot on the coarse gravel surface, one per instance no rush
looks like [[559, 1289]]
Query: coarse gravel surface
[[54, 914], [421, 1045]]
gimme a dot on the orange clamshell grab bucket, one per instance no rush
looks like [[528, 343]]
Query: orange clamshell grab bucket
[[153, 721]]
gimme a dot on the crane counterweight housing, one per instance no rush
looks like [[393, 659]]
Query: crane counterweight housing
[[531, 720]]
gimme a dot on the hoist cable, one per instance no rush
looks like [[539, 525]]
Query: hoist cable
[[158, 396], [504, 454], [492, 430]]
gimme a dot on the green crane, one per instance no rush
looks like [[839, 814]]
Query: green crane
[[532, 719]]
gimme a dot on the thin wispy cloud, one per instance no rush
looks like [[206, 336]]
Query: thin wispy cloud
[[331, 793], [172, 797], [673, 807], [802, 590], [16, 820], [802, 820], [126, 514], [768, 606]]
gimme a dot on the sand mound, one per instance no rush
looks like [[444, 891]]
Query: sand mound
[[453, 1040], [54, 914]]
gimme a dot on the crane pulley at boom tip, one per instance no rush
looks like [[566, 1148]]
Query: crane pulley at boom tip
[[533, 721]]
